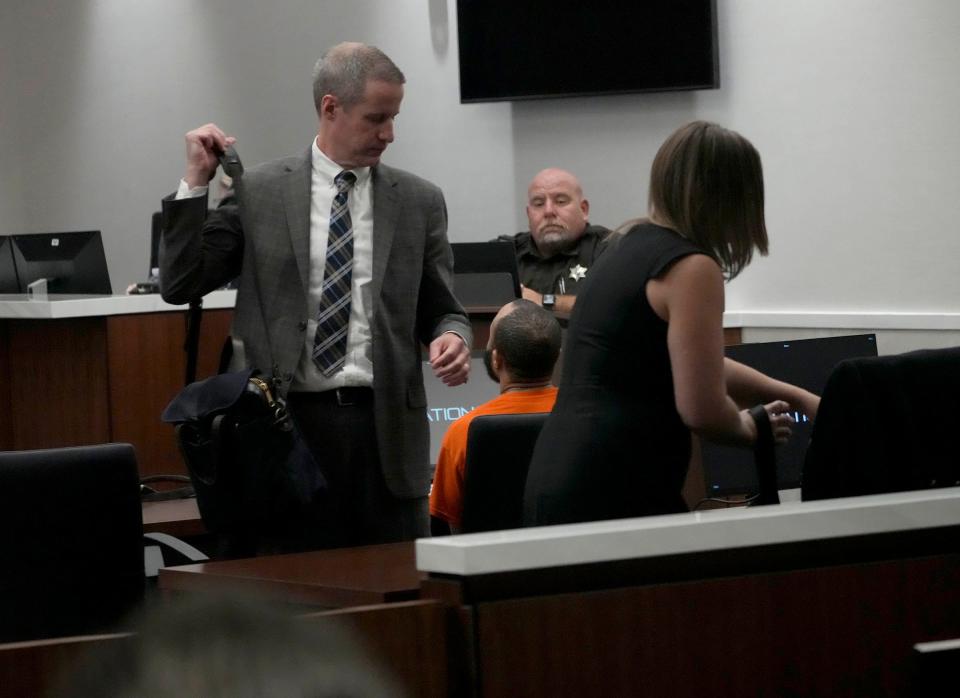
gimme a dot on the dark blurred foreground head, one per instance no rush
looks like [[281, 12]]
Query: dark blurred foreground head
[[213, 646]]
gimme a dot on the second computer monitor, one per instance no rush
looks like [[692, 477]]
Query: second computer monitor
[[485, 273], [8, 273], [803, 362], [445, 405], [71, 262]]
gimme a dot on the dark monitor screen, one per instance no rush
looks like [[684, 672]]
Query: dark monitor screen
[[8, 272], [445, 405], [804, 362], [485, 273], [71, 262]]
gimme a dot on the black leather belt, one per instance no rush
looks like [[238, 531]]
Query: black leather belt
[[342, 397]]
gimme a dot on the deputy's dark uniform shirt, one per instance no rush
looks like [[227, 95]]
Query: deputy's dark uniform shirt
[[563, 273]]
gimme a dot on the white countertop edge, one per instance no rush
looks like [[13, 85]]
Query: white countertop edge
[[937, 646], [842, 320], [715, 530], [58, 307], [61, 307]]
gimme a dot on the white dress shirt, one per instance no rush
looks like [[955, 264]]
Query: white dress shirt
[[358, 369]]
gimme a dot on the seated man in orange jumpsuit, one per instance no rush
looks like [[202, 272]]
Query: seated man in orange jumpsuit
[[523, 347]]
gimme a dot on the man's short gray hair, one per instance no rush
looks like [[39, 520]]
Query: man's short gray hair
[[343, 71]]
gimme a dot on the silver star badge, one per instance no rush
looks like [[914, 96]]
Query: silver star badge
[[578, 272]]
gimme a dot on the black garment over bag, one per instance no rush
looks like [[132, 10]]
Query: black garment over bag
[[249, 467]]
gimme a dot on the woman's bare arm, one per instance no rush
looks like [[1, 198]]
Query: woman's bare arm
[[689, 297]]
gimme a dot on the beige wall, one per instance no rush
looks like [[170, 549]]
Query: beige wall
[[852, 104]]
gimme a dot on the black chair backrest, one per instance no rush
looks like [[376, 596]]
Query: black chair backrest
[[72, 527], [499, 448], [886, 424]]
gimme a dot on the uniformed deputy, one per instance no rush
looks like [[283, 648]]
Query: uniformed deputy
[[558, 251]]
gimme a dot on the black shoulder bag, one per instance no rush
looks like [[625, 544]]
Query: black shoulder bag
[[249, 467]]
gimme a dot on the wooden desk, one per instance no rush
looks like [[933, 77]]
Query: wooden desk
[[804, 599], [176, 517], [87, 370], [409, 638], [35, 667], [329, 578]]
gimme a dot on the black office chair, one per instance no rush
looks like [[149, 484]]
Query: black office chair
[[886, 424], [73, 542], [499, 448]]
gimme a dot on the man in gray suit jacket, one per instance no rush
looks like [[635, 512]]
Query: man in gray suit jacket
[[363, 412]]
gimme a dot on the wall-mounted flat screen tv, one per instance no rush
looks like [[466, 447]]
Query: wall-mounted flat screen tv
[[534, 49]]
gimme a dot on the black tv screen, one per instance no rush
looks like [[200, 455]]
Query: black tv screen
[[531, 49]]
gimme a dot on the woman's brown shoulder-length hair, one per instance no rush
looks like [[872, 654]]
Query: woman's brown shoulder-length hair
[[706, 183]]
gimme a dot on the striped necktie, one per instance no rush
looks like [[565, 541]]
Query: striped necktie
[[333, 318]]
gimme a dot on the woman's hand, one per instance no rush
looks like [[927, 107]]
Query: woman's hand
[[780, 422]]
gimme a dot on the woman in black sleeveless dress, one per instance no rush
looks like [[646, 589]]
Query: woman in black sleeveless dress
[[643, 362]]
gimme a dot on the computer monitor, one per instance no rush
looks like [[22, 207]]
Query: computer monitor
[[804, 362], [485, 273], [71, 262], [445, 404], [8, 272]]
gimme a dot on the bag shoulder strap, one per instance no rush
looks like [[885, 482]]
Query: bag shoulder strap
[[765, 458], [191, 344]]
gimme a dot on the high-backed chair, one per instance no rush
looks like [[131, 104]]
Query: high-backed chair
[[72, 540], [499, 448], [886, 424]]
